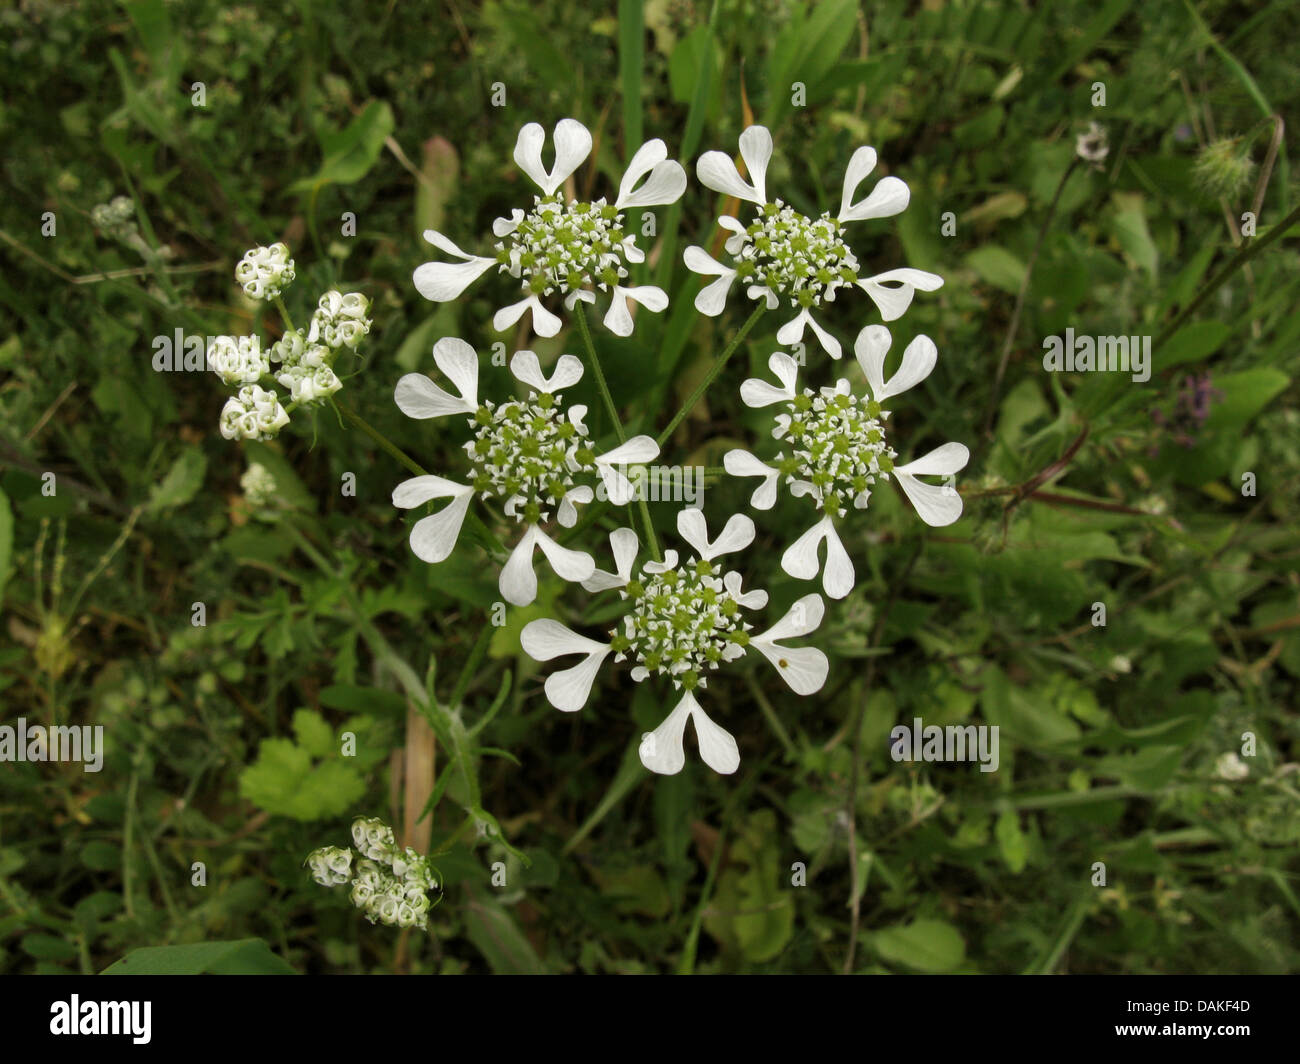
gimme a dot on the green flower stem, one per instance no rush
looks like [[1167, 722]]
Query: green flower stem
[[481, 531], [284, 314], [603, 386], [714, 370]]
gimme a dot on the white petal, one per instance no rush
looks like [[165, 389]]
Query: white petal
[[661, 750], [801, 618], [445, 281], [666, 183], [418, 397], [838, 576], [803, 668], [518, 582], [567, 515], [669, 562], [419, 490], [937, 505], [716, 171], [624, 543], [785, 369], [712, 298], [740, 463], [526, 368], [751, 600], [737, 534], [636, 451], [572, 565], [506, 226], [433, 538], [569, 689], [578, 295], [572, 146], [949, 458], [700, 261], [792, 331], [459, 362], [889, 197], [718, 748], [861, 164], [756, 150], [870, 348], [618, 319], [800, 558], [546, 639], [448, 246], [829, 344], [544, 322], [734, 243], [893, 302]]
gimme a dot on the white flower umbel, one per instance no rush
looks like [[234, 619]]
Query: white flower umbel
[[389, 885], [254, 414], [265, 272], [682, 621], [532, 455], [238, 359], [259, 487], [785, 255], [305, 359], [340, 320], [836, 450], [330, 866], [562, 246]]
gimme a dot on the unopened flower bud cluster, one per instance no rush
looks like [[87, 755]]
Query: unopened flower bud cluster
[[302, 361], [388, 884]]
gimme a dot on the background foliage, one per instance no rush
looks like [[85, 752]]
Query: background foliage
[[222, 740]]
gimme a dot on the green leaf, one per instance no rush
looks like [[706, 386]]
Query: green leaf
[[352, 151], [1192, 343], [308, 780], [246, 956], [997, 266], [1245, 394], [48, 947], [1130, 229], [496, 935], [925, 945], [752, 912], [1012, 843], [182, 481]]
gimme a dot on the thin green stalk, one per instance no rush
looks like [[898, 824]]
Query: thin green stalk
[[714, 370], [471, 666], [284, 314], [769, 714], [612, 410], [392, 449], [601, 383], [1024, 291], [485, 534], [1247, 252]]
